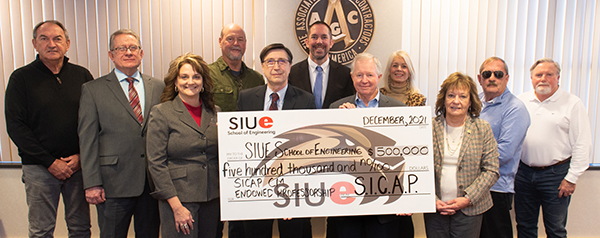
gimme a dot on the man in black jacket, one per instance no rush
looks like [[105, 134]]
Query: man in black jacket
[[41, 105]]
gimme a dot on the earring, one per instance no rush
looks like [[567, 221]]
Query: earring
[[176, 90], [202, 89]]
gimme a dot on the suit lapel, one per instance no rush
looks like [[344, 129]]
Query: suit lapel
[[305, 83], [290, 98], [332, 79], [467, 136], [383, 101], [115, 87], [148, 86], [185, 116], [207, 120], [259, 99]]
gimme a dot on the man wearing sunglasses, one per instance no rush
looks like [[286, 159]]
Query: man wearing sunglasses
[[509, 119]]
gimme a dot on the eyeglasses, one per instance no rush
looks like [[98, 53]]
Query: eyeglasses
[[271, 62], [123, 49], [487, 74]]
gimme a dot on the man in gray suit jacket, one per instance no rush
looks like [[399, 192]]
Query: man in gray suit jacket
[[276, 95], [112, 132], [366, 72]]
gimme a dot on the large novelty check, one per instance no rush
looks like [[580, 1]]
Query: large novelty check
[[334, 162]]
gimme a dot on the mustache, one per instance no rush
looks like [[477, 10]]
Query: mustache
[[236, 48], [543, 84], [492, 84]]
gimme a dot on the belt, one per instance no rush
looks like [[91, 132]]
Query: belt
[[550, 166]]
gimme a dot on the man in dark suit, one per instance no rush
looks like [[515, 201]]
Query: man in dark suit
[[326, 79], [276, 95], [366, 72], [112, 132]]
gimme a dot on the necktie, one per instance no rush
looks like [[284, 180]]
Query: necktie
[[318, 89], [135, 101], [274, 99]]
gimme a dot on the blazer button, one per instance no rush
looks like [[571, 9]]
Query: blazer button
[[204, 166], [460, 186], [459, 168], [203, 152], [142, 155]]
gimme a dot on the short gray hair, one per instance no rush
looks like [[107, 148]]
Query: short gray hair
[[490, 60], [366, 56], [544, 60], [121, 32], [55, 22]]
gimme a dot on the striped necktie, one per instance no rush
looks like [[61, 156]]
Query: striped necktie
[[134, 100]]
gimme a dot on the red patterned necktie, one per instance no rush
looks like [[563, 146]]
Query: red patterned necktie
[[274, 99], [134, 100]]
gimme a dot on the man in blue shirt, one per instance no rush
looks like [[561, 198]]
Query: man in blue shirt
[[509, 119], [366, 71]]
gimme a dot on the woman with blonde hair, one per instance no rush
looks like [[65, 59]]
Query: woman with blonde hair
[[398, 80]]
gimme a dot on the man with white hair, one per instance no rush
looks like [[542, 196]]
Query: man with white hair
[[366, 72], [555, 153]]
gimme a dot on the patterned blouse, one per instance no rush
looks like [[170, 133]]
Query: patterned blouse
[[412, 99]]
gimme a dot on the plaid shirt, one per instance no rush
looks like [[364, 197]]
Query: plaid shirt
[[477, 163]]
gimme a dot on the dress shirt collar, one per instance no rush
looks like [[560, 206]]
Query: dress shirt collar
[[497, 100], [313, 66], [122, 76], [281, 94], [372, 104]]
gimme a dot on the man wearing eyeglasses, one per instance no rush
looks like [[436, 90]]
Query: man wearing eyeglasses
[[276, 95], [112, 132], [41, 103], [229, 73], [509, 120]]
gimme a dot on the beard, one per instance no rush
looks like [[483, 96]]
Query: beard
[[543, 88], [314, 52], [231, 56]]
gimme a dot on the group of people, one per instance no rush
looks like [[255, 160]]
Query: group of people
[[136, 146]]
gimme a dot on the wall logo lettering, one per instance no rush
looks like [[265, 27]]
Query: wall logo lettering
[[352, 24]]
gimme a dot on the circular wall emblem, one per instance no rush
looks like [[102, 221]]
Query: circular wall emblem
[[352, 25]]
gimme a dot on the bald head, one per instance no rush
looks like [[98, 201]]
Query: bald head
[[232, 42]]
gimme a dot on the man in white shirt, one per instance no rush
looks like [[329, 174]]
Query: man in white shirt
[[555, 153]]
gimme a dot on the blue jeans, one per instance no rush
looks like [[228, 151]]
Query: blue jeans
[[535, 188]]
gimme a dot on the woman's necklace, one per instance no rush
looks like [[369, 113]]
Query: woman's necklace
[[454, 137]]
